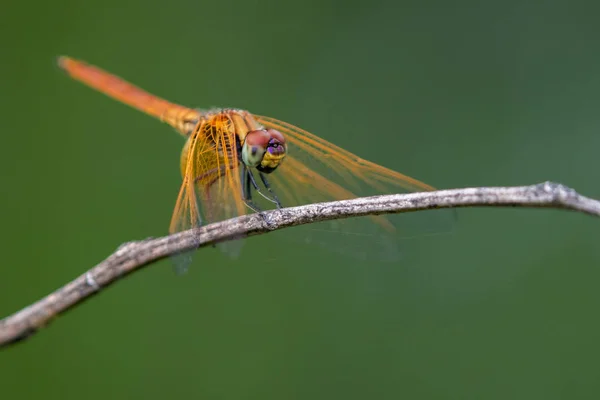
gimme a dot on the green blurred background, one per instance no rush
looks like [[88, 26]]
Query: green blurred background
[[462, 93]]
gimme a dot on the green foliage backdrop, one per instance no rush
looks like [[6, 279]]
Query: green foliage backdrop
[[462, 93]]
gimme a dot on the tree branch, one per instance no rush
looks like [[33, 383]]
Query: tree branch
[[132, 256]]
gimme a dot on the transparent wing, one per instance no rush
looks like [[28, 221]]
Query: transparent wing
[[315, 170], [211, 187]]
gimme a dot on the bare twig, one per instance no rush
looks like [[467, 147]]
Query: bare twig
[[133, 256]]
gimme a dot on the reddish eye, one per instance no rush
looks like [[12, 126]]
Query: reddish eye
[[255, 146], [259, 142]]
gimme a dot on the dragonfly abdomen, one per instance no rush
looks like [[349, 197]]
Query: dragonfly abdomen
[[182, 118]]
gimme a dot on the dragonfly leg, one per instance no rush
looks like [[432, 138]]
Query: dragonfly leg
[[250, 176], [265, 182], [247, 194], [247, 190]]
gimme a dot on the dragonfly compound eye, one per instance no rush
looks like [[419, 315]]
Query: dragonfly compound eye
[[264, 149], [276, 151], [254, 148]]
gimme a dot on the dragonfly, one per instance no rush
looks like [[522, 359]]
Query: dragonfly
[[233, 159]]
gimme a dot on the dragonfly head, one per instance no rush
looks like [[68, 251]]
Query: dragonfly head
[[264, 149]]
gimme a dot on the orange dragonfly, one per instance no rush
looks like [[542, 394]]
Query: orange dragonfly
[[226, 149]]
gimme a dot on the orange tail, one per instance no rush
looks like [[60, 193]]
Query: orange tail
[[181, 118]]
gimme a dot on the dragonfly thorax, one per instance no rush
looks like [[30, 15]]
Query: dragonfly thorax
[[264, 149]]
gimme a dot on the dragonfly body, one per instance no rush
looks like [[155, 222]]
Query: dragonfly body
[[225, 147]]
